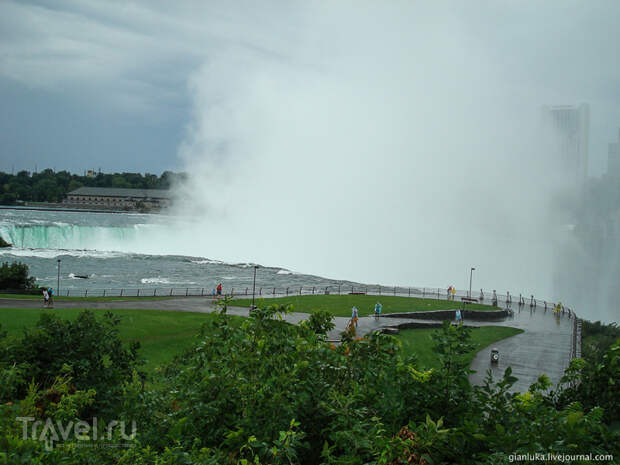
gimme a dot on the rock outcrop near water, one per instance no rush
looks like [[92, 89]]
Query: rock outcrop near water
[[4, 243]]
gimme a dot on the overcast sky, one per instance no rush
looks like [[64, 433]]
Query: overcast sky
[[111, 84]]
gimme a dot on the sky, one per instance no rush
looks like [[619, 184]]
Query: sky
[[108, 85], [393, 142]]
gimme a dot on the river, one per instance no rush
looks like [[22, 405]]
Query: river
[[124, 251]]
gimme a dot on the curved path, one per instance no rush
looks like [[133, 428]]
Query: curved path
[[543, 347]]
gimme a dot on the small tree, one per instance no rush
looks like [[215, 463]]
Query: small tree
[[87, 348], [15, 276]]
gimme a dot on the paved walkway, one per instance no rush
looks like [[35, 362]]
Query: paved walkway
[[543, 347]]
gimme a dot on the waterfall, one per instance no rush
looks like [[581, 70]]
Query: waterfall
[[69, 236]]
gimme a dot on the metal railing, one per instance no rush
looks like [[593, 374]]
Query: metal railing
[[508, 300]]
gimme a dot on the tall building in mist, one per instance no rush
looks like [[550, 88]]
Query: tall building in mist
[[613, 159], [568, 126]]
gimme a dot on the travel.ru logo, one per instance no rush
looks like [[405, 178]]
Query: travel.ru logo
[[96, 432]]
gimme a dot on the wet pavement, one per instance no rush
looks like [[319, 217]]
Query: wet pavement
[[543, 347]]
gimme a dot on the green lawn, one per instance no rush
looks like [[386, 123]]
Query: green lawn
[[161, 334], [85, 299], [419, 342], [340, 305]]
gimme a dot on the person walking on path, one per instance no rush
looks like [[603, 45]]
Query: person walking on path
[[453, 291], [354, 315], [377, 310], [46, 298], [50, 294], [219, 289]]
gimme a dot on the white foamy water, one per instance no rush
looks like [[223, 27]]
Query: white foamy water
[[123, 251]]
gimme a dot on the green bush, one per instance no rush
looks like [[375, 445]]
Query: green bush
[[14, 276], [267, 392], [87, 350]]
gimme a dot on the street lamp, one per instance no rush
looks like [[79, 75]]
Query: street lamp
[[254, 286], [471, 271], [58, 280]]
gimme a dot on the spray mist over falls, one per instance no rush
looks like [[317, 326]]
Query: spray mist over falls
[[383, 145]]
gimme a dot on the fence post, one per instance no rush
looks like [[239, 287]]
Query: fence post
[[409, 292], [154, 292], [121, 292], [86, 293], [287, 291], [170, 292], [260, 291], [394, 290], [338, 289], [138, 294], [274, 291], [232, 291], [104, 292]]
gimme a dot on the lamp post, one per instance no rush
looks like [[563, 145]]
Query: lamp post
[[58, 280], [254, 286], [471, 271]]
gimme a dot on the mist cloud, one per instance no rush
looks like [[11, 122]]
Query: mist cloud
[[386, 144], [396, 143]]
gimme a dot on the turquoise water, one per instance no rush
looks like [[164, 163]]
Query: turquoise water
[[115, 251]]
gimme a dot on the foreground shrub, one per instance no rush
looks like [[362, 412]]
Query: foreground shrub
[[14, 276], [267, 392], [87, 350]]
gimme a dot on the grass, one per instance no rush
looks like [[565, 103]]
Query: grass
[[162, 334], [340, 305], [85, 299], [420, 343]]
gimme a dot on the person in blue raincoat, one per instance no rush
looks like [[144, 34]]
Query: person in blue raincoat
[[378, 309]]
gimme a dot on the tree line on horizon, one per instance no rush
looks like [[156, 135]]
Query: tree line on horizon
[[51, 186]]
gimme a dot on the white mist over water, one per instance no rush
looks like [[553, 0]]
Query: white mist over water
[[393, 142], [380, 144]]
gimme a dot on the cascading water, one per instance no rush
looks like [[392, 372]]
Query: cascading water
[[67, 236], [113, 251]]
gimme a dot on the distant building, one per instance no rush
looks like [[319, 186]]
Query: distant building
[[613, 158], [569, 127], [119, 199]]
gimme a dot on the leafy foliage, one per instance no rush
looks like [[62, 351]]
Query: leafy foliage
[[86, 350], [15, 276], [267, 392], [597, 339], [321, 322]]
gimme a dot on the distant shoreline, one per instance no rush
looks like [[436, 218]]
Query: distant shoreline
[[73, 210]]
